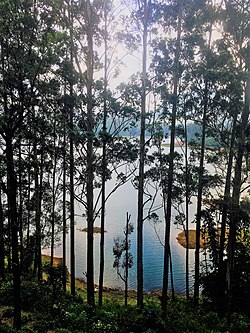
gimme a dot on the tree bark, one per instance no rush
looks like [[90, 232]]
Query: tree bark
[[71, 166], [64, 211], [200, 187], [39, 189], [12, 201], [199, 199], [89, 172], [146, 9], [104, 158], [225, 214], [20, 212], [2, 243], [235, 209], [53, 199], [186, 205], [126, 257], [171, 169]]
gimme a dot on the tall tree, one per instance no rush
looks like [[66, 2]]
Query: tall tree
[[205, 99], [144, 12], [237, 37], [104, 152], [70, 106], [176, 76], [89, 21], [26, 41]]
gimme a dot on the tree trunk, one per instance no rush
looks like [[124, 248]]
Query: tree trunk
[[2, 243], [53, 199], [186, 205], [71, 167], [200, 187], [12, 193], [171, 169], [72, 207], [199, 199], [126, 258], [235, 209], [146, 10], [20, 213], [64, 211], [225, 213], [28, 200], [89, 175], [39, 189], [104, 162]]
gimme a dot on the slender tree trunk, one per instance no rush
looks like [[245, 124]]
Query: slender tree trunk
[[12, 193], [171, 169], [72, 207], [39, 189], [200, 188], [225, 214], [199, 198], [9, 260], [89, 175], [126, 258], [171, 274], [186, 205], [53, 200], [2, 242], [104, 158], [64, 211], [146, 9], [235, 209], [28, 201], [20, 213], [71, 166]]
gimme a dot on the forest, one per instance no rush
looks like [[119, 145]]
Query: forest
[[101, 91]]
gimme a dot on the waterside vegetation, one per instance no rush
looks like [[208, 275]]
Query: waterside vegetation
[[67, 141]]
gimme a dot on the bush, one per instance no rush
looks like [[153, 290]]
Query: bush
[[8, 312], [6, 293], [6, 329]]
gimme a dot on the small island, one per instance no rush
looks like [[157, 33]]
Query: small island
[[181, 238], [97, 230]]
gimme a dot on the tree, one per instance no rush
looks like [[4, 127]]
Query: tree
[[145, 13], [119, 248], [176, 75], [23, 38], [239, 44]]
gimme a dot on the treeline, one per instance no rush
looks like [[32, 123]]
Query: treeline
[[60, 120]]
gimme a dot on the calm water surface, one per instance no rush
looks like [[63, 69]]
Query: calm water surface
[[122, 201]]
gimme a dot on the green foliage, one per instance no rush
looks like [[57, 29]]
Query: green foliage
[[6, 293], [64, 315], [8, 312], [6, 329]]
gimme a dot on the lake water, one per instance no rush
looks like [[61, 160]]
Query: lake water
[[122, 201]]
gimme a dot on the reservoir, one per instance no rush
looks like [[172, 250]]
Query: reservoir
[[124, 200]]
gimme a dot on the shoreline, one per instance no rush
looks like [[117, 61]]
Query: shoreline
[[82, 284]]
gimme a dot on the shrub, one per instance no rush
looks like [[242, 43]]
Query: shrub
[[6, 293], [8, 312], [6, 329]]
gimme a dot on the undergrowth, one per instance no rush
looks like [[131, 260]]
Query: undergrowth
[[43, 311]]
